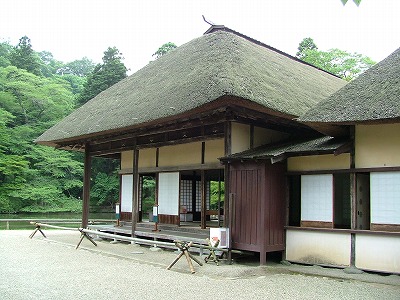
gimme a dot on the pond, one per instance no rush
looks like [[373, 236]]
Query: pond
[[69, 217]]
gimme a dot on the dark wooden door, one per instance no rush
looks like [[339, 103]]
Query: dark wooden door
[[246, 182]]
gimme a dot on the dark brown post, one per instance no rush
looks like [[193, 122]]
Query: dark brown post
[[251, 136], [228, 151], [353, 197], [203, 200], [135, 191], [219, 198], [203, 152], [86, 186]]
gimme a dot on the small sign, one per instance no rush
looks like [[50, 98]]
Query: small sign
[[117, 211], [155, 213]]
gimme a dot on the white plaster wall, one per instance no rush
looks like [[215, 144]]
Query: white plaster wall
[[311, 247], [126, 159], [179, 155], [377, 145], [319, 162], [214, 150], [240, 137], [378, 253], [264, 136]]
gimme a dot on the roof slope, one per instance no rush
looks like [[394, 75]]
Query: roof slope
[[374, 95], [278, 151], [194, 74]]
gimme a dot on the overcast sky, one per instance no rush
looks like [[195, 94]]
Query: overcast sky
[[72, 29]]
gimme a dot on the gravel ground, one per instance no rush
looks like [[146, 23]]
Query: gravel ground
[[51, 268]]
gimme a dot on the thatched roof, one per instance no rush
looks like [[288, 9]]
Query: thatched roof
[[195, 74], [282, 150], [374, 95]]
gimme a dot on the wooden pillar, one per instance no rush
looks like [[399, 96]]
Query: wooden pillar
[[86, 186], [353, 199], [203, 200], [194, 194], [228, 151], [135, 190], [264, 197], [251, 136], [219, 198]]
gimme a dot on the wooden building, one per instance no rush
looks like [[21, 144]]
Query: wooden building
[[351, 202], [216, 96]]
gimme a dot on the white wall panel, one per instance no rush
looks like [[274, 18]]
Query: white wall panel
[[385, 198], [316, 198], [168, 193], [378, 253], [126, 193], [313, 247]]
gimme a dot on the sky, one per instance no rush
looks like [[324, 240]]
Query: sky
[[72, 29]]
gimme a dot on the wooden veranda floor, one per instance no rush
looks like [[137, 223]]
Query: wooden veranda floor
[[190, 232]]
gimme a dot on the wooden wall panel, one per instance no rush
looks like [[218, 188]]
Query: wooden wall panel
[[274, 207], [125, 216], [168, 219]]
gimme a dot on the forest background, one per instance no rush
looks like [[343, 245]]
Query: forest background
[[36, 91]]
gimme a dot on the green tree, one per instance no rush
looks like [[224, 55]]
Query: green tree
[[23, 57], [305, 45], [5, 52], [357, 2], [338, 62], [33, 177], [13, 168], [164, 49], [104, 75], [81, 67], [48, 65], [105, 190], [148, 193], [32, 99]]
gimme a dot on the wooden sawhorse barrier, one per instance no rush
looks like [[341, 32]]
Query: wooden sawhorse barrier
[[212, 256], [184, 247], [36, 230]]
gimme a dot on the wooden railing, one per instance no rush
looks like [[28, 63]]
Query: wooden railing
[[69, 222]]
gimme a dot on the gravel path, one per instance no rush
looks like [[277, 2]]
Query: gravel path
[[51, 268]]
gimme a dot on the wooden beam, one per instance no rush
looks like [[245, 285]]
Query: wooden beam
[[207, 166], [126, 145], [86, 186]]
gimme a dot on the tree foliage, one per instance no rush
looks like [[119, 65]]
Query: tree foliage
[[104, 75], [35, 178], [81, 67], [338, 62], [357, 2], [5, 52], [23, 57], [305, 45], [164, 49]]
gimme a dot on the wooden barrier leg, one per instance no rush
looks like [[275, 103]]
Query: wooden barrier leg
[[83, 235], [174, 262], [36, 230], [189, 261], [195, 259]]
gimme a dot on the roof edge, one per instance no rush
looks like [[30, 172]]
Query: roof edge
[[215, 28]]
